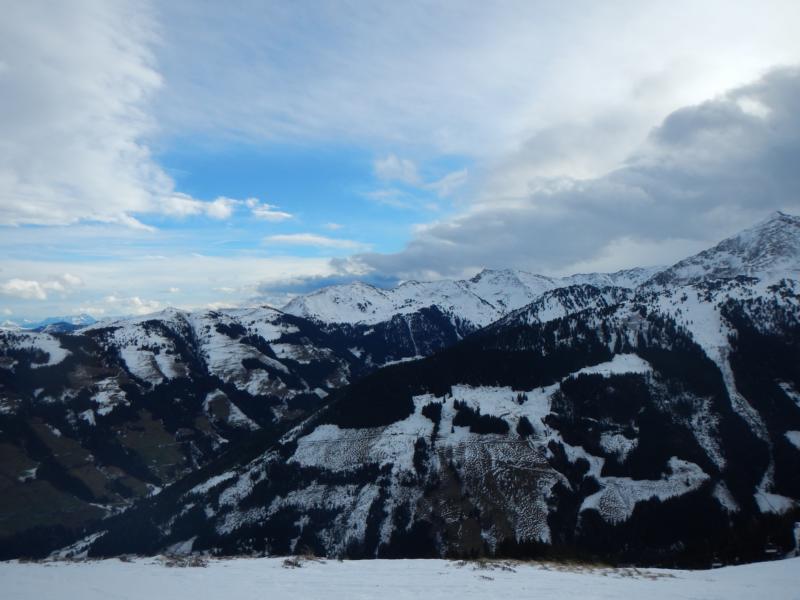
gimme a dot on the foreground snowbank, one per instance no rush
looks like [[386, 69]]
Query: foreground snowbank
[[275, 578]]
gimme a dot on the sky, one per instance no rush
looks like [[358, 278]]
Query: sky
[[205, 154]]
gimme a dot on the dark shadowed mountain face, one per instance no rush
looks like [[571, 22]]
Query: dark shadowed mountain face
[[94, 419], [657, 425], [615, 431]]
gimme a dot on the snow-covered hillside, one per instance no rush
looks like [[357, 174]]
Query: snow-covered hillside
[[277, 579]]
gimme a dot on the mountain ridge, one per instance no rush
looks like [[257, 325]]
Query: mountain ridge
[[481, 299], [568, 425]]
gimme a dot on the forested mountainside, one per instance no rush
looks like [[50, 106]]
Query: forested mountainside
[[91, 420], [653, 424]]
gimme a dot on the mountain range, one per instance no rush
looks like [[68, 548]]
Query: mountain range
[[649, 416]]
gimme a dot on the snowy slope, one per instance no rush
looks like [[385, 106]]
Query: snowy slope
[[628, 278], [388, 579]]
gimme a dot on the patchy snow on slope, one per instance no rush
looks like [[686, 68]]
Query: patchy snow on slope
[[108, 396], [352, 504], [278, 579], [141, 364], [697, 310], [794, 438], [618, 498], [725, 498], [774, 503], [331, 447], [621, 364], [29, 341], [50, 345], [788, 388], [88, 416], [211, 483], [502, 402], [769, 502], [399, 361], [217, 402], [616, 443]]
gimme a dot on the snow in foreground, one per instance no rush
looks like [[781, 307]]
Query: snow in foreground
[[275, 579]]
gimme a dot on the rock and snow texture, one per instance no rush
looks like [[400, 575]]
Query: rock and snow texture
[[138, 403], [617, 499], [41, 349], [768, 250], [241, 578]]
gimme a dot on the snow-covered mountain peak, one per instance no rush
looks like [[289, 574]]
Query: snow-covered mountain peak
[[768, 250], [346, 303], [480, 300], [494, 275], [627, 278]]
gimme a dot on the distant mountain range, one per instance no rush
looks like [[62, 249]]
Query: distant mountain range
[[649, 416], [61, 324], [480, 300]]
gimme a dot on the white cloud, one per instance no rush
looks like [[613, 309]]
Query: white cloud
[[392, 168], [402, 171], [130, 305], [75, 90], [477, 80], [220, 305], [221, 208], [446, 185], [38, 290], [333, 226], [267, 212], [23, 288], [705, 172], [126, 275], [393, 197], [72, 280], [183, 205], [78, 80], [504, 89], [312, 240]]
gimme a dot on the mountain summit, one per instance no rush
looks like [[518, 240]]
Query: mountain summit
[[768, 250]]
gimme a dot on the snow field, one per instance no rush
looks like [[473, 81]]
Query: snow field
[[276, 579]]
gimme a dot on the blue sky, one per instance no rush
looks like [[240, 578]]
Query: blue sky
[[199, 154], [330, 190]]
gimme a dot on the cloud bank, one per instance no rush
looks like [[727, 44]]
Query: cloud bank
[[705, 171], [77, 83]]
